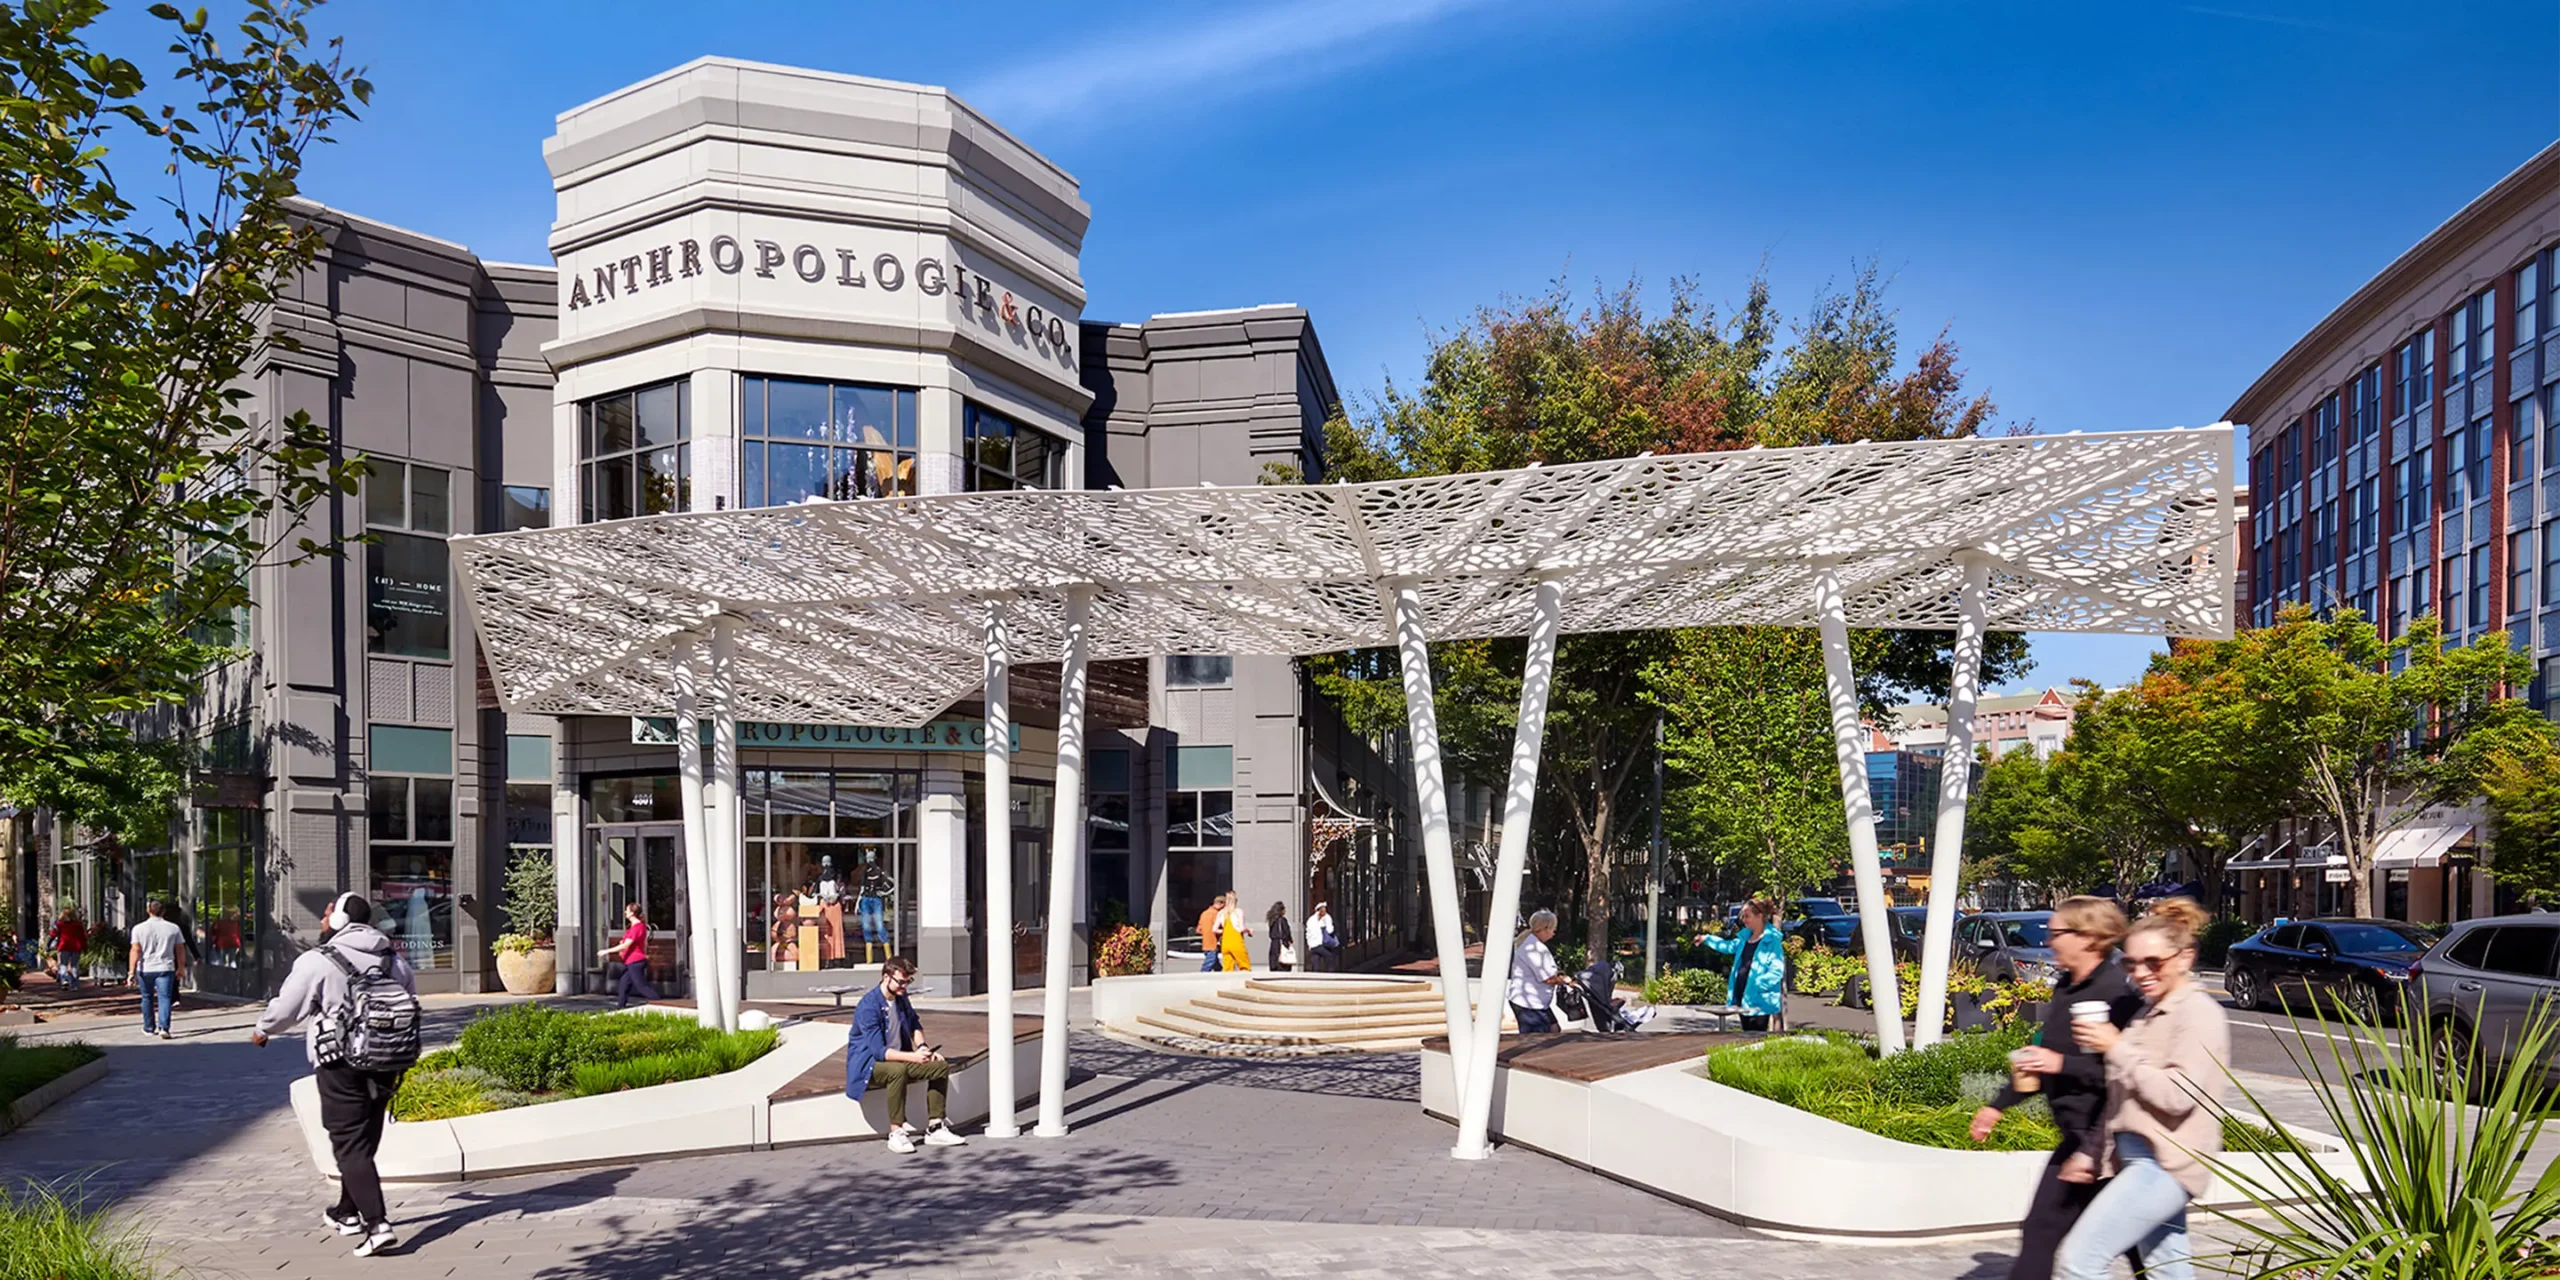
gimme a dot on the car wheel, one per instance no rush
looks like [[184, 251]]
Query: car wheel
[[2359, 1002], [2243, 986], [2456, 1056]]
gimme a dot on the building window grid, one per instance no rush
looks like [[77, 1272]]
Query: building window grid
[[408, 510], [803, 439], [862, 824], [409, 826], [2416, 361], [1000, 453], [634, 458], [2477, 615]]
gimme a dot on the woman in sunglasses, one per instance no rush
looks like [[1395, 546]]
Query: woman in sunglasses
[[2165, 1081]]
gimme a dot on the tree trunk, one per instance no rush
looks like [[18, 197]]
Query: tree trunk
[[1595, 860]]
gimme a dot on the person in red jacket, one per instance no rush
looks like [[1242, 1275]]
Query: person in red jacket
[[632, 949], [69, 938]]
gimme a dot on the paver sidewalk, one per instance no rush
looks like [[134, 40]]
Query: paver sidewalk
[[1176, 1167]]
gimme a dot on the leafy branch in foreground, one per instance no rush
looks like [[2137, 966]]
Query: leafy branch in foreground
[[136, 494]]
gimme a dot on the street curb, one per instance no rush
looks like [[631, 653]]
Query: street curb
[[52, 1091]]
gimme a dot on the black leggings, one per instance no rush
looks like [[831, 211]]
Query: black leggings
[[634, 985], [352, 1103]]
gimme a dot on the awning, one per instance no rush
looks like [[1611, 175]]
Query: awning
[[2419, 846], [1316, 771], [2283, 859]]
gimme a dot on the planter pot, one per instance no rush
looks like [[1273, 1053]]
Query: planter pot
[[2031, 1012], [528, 973], [1853, 993], [1966, 1007]]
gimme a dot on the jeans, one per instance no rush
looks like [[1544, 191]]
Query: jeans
[[1534, 1019], [1209, 959], [66, 970], [2142, 1208], [875, 921], [158, 990], [634, 984]]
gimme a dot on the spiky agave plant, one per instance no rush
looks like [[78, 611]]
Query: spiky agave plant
[[2440, 1195]]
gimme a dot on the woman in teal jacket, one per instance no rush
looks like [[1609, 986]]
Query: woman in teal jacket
[[1759, 982]]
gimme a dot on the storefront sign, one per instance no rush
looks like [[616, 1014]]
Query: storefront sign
[[941, 735], [831, 266]]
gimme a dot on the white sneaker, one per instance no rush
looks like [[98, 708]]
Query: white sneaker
[[902, 1141], [382, 1239], [343, 1226], [940, 1135]]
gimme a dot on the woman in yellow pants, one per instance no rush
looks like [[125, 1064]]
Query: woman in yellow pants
[[1231, 936]]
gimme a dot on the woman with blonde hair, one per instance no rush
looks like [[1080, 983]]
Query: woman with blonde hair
[[2165, 1081], [1757, 982], [2083, 933]]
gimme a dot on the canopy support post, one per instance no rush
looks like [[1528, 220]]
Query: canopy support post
[[1955, 787], [1849, 737], [1537, 677], [1439, 855], [697, 833], [1066, 860], [998, 841], [727, 834]]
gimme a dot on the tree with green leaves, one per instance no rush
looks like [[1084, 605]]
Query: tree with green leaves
[[135, 497], [1747, 731], [2381, 730], [2520, 776], [1550, 381]]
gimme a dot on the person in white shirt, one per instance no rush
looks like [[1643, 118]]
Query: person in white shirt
[[156, 960], [1324, 946], [1534, 978]]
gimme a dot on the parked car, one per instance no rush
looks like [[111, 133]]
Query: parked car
[[2478, 985], [2362, 965], [2008, 945], [1907, 924], [1825, 921]]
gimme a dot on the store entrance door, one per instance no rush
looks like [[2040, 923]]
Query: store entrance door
[[641, 863]]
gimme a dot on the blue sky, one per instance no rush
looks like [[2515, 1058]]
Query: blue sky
[[2124, 211]]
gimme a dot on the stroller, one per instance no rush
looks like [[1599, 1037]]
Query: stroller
[[1591, 1004]]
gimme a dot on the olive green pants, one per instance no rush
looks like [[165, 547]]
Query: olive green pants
[[895, 1076]]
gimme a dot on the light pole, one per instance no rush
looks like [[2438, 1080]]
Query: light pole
[[1653, 882]]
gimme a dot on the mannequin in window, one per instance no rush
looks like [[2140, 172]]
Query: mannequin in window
[[830, 914], [872, 907]]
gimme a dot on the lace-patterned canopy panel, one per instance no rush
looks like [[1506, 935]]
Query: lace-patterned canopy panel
[[872, 611]]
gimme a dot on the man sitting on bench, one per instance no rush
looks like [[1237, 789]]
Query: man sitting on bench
[[886, 1048]]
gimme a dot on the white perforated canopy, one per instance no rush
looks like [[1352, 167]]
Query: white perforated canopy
[[873, 611]]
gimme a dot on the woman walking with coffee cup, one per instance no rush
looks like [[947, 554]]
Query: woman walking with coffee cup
[[2162, 1071], [2084, 933]]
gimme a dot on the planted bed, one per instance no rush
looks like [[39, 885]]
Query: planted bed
[[25, 1068], [531, 1054]]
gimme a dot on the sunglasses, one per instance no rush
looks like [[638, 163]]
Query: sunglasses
[[2151, 964]]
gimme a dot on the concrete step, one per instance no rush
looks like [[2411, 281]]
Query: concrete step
[[1251, 1017], [1230, 1049], [1310, 1000], [1303, 987], [1212, 1028]]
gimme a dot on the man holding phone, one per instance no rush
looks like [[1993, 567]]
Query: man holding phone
[[886, 1048]]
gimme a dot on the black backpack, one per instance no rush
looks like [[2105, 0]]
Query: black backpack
[[376, 1027]]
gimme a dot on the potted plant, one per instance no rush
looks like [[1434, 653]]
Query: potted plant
[[527, 964]]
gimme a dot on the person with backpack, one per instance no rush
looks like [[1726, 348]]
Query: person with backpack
[[357, 989]]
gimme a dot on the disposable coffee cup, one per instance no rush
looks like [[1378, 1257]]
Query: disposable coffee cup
[[2021, 1079], [2088, 1011]]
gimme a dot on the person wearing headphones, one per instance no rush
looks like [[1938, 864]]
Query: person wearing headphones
[[353, 1098]]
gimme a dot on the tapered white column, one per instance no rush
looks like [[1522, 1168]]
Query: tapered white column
[[1066, 855], [1001, 1094], [720, 805], [1955, 786], [1537, 676], [697, 849], [1439, 855], [1849, 737]]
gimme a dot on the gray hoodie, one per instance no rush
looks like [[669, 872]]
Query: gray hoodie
[[315, 984]]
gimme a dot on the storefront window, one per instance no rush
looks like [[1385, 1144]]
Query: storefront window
[[634, 455], [1199, 829], [410, 826], [801, 440], [407, 609], [1106, 822], [830, 866], [226, 910]]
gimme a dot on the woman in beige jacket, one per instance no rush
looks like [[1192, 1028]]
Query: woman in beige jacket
[[2165, 1079]]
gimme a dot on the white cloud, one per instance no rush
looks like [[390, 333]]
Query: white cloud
[[1275, 41]]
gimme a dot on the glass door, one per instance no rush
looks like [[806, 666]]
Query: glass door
[[642, 863]]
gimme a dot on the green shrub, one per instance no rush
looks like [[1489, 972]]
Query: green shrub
[[25, 1068], [722, 1054], [1687, 986], [438, 1061], [108, 948], [1796, 1070], [531, 1048], [445, 1093], [532, 897], [44, 1233], [1822, 973], [2213, 945], [1934, 1077]]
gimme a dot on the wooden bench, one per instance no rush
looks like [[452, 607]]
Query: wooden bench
[[961, 1037]]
